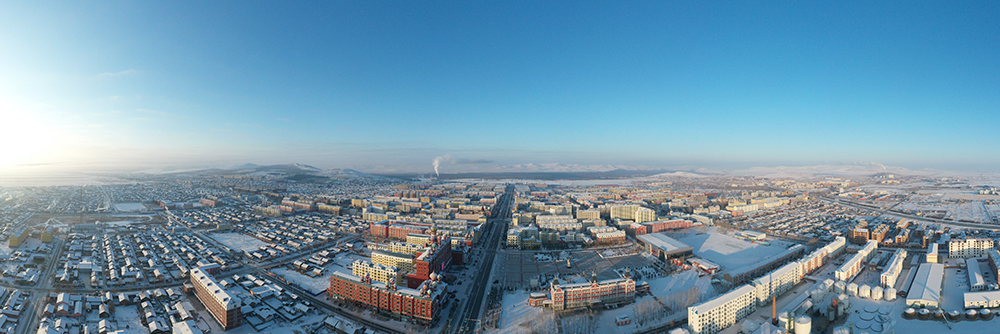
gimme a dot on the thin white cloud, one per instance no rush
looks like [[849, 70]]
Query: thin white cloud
[[155, 113], [118, 74]]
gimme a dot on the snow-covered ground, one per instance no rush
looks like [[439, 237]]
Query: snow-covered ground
[[314, 285], [129, 207], [726, 251], [238, 241], [518, 317]]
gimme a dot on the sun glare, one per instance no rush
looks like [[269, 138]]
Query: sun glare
[[24, 138]]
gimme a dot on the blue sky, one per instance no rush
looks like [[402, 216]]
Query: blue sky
[[382, 86]]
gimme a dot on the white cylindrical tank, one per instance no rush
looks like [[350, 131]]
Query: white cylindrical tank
[[890, 294], [803, 324], [852, 289], [783, 320], [865, 291], [877, 293]]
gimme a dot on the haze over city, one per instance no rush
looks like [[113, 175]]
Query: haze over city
[[389, 87]]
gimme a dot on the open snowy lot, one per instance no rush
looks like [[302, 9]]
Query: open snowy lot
[[129, 207], [314, 285], [725, 250], [238, 241]]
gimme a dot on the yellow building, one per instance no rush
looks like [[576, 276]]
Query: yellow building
[[399, 247], [47, 234], [377, 272], [402, 262], [18, 237]]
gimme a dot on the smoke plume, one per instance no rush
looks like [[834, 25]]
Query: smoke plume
[[437, 163]]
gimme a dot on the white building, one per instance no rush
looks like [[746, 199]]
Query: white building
[[855, 264], [644, 215], [777, 282], [994, 258], [932, 254], [925, 290], [976, 280], [892, 270], [982, 299], [624, 211], [970, 247], [723, 311]]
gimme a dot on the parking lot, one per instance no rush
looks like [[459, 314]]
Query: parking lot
[[519, 268]]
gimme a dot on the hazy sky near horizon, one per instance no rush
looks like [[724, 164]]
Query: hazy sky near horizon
[[381, 86]]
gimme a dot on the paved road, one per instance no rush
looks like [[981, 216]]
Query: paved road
[[908, 216], [497, 225]]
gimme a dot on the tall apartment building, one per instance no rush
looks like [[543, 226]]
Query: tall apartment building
[[624, 211], [588, 214], [777, 282], [855, 264], [644, 215], [721, 312], [970, 247], [225, 308], [891, 272]]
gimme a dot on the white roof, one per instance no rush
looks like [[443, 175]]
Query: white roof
[[721, 300], [975, 273], [927, 284], [983, 297], [668, 244]]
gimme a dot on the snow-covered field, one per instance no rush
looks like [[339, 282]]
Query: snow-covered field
[[314, 285], [726, 251], [239, 241]]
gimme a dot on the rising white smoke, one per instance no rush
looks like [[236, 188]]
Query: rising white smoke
[[437, 163]]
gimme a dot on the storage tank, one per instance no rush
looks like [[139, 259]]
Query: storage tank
[[939, 314], [986, 314], [841, 330], [972, 315], [852, 289], [803, 324], [954, 315], [910, 313], [865, 291], [783, 320], [844, 300], [924, 314], [890, 294], [877, 293]]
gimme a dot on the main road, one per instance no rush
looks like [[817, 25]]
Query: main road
[[909, 216], [496, 230]]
